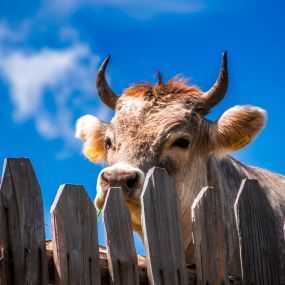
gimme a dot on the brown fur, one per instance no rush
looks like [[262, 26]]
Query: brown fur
[[149, 118], [174, 90], [174, 87]]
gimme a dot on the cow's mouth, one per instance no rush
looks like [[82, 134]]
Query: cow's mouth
[[135, 212], [130, 179], [132, 202], [133, 205]]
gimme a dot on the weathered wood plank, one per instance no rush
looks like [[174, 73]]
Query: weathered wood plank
[[209, 234], [22, 236], [161, 229], [122, 258], [284, 231], [74, 236], [257, 235], [105, 275]]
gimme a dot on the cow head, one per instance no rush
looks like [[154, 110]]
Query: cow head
[[163, 125]]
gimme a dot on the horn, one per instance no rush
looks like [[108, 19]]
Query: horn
[[107, 95], [218, 91]]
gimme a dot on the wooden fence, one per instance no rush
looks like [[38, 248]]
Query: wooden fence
[[74, 257]]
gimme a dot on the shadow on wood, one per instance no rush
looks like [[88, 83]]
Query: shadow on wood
[[257, 235], [209, 234], [161, 229], [122, 258], [22, 234], [74, 235]]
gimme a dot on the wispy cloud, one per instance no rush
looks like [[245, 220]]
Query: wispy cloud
[[31, 73], [135, 8], [10, 35], [49, 86]]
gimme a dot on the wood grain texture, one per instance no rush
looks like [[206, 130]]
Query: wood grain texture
[[122, 258], [22, 237], [74, 236], [161, 230], [106, 278], [257, 235], [209, 234], [104, 270]]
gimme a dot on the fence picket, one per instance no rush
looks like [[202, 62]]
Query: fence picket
[[257, 235], [122, 258], [161, 228], [22, 237], [74, 252], [209, 238], [74, 236]]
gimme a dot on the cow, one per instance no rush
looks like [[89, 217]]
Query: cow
[[164, 125]]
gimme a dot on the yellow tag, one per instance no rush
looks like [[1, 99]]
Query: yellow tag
[[240, 143]]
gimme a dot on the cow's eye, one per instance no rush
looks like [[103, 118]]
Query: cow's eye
[[181, 143], [108, 143]]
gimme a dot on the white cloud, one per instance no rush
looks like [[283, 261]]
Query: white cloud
[[50, 86], [138, 8], [135, 8], [46, 126], [29, 73]]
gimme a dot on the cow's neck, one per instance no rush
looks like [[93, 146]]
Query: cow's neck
[[189, 183], [200, 173]]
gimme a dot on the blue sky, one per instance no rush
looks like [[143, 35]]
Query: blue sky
[[50, 52]]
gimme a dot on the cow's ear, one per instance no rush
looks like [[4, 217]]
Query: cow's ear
[[236, 128], [92, 132]]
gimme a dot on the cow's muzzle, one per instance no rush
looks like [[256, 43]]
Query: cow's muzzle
[[130, 179]]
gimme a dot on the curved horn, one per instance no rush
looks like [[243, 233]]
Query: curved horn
[[218, 91], [107, 95]]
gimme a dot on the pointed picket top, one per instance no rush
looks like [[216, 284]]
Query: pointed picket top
[[161, 230], [74, 237], [257, 235], [22, 234], [208, 220], [122, 258]]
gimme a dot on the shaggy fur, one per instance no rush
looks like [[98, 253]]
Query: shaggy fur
[[149, 119], [172, 91], [92, 132]]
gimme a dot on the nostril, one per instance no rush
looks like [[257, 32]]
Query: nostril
[[132, 181], [120, 178]]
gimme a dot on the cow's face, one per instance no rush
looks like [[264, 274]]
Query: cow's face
[[164, 126]]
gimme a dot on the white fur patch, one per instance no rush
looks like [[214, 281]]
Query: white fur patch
[[132, 103], [85, 126]]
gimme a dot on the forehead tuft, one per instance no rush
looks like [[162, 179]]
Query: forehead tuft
[[174, 91], [175, 86]]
